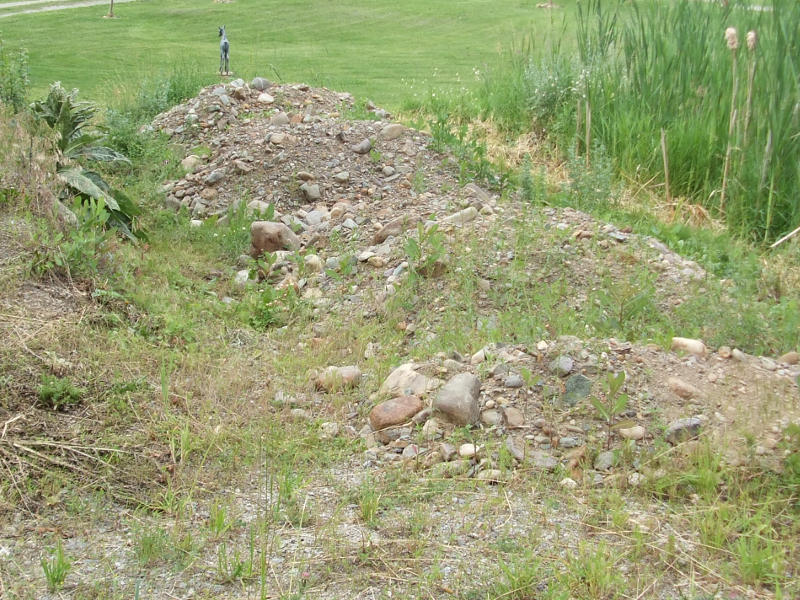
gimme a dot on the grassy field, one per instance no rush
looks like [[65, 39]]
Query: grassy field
[[377, 49]]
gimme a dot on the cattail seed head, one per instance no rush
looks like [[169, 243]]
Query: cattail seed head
[[732, 38], [752, 40]]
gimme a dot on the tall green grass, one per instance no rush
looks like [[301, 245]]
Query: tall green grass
[[665, 65]]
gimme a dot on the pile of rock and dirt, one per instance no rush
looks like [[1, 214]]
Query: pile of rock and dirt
[[535, 401], [289, 150]]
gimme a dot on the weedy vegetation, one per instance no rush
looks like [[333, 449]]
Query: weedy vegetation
[[139, 385], [56, 568]]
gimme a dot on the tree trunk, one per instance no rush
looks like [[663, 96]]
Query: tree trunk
[[111, 9]]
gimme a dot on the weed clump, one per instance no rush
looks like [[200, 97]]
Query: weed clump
[[14, 77], [59, 392], [56, 568]]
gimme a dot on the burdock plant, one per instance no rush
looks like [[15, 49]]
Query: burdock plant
[[732, 39]]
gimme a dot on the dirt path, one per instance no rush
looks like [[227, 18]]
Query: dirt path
[[50, 8]]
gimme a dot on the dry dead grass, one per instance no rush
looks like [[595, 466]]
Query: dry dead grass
[[27, 164]]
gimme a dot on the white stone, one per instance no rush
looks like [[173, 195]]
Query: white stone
[[467, 450], [636, 432], [462, 217], [689, 345]]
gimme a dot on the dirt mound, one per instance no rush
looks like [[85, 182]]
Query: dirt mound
[[262, 146], [370, 181]]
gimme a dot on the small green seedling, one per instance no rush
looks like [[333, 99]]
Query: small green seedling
[[424, 251], [615, 401]]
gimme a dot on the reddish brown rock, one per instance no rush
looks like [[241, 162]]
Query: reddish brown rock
[[394, 228], [683, 389], [790, 358], [514, 417], [396, 411]]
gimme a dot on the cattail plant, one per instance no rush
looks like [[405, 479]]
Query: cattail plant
[[732, 39], [669, 66], [752, 42]]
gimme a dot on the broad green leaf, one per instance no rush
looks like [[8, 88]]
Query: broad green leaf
[[620, 402], [99, 153], [615, 382], [122, 223], [126, 205], [600, 407], [77, 179]]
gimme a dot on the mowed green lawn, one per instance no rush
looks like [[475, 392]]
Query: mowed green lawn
[[376, 49]]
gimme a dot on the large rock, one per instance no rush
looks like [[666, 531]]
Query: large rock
[[516, 448], [392, 131], [696, 347], [215, 176], [682, 430], [478, 192], [462, 217], [605, 460], [492, 417], [457, 401], [260, 84], [562, 365], [396, 411], [683, 389], [576, 389], [266, 236], [514, 417], [334, 378], [404, 380], [191, 162], [279, 118], [542, 460], [311, 191], [637, 432], [362, 147], [394, 228]]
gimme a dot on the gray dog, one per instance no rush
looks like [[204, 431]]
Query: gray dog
[[224, 52]]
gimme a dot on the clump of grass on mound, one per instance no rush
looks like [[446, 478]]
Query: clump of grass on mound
[[139, 102]]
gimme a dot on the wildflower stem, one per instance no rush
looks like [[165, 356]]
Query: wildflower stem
[[578, 129], [588, 133], [748, 112], [731, 128], [666, 164]]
